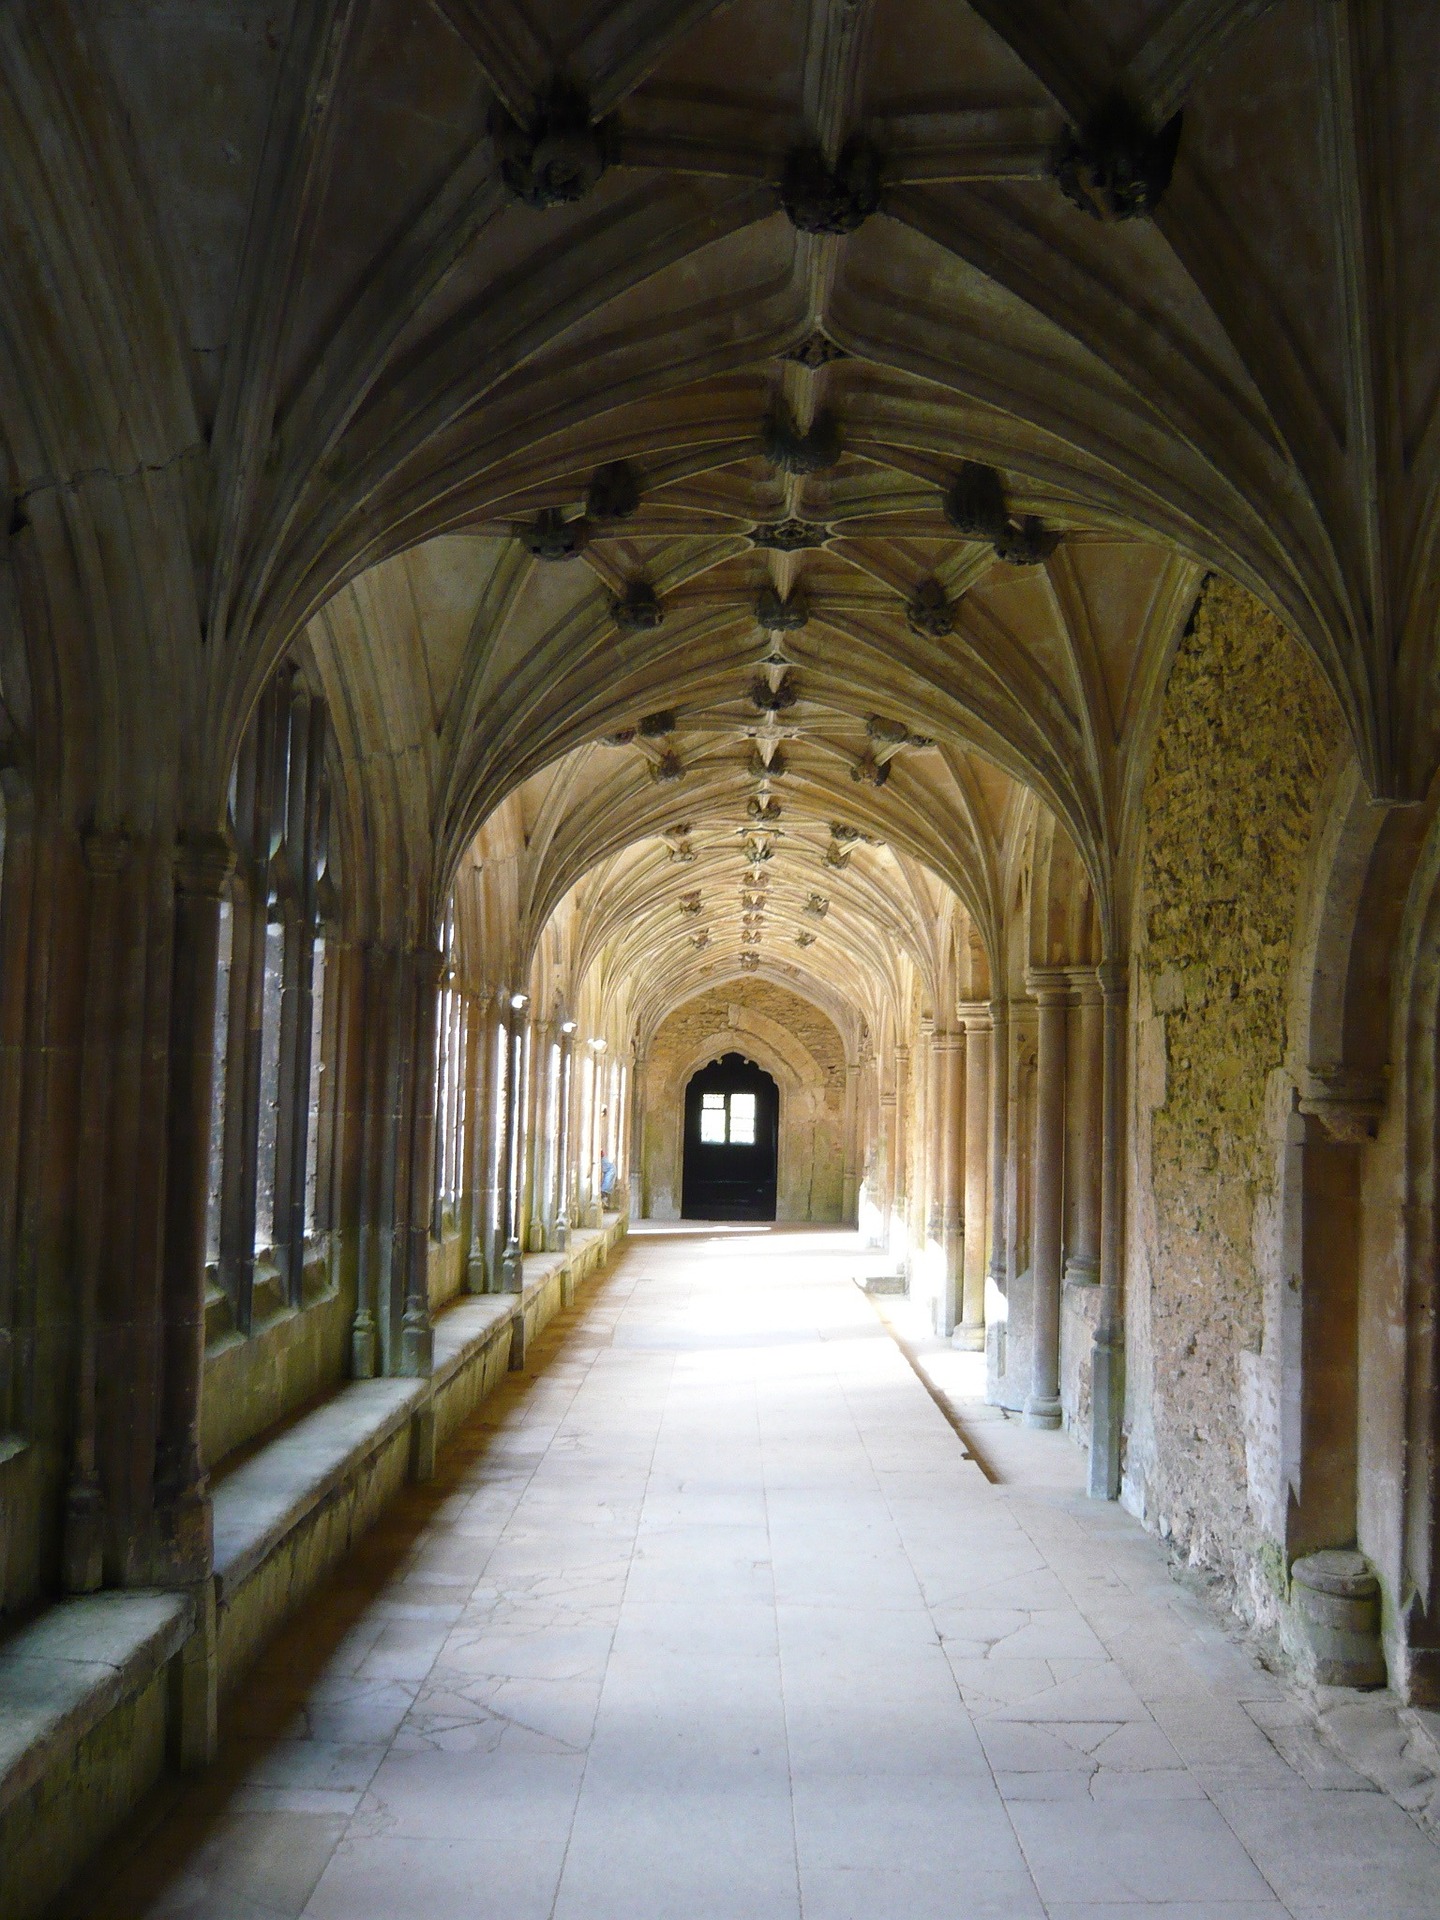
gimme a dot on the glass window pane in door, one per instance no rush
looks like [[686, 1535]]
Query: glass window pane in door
[[742, 1119], [712, 1123]]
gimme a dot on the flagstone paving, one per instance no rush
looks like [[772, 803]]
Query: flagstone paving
[[710, 1617]]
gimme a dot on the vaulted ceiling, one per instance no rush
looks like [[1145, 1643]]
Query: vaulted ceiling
[[373, 290]]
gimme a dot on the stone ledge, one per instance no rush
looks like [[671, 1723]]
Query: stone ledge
[[272, 1494], [87, 1700], [264, 1501], [61, 1675]]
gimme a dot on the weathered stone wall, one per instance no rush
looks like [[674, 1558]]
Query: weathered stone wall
[[796, 1043], [1247, 734]]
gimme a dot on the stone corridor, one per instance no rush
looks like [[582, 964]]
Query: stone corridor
[[710, 1617]]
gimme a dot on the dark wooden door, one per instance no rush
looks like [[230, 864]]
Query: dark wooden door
[[732, 1122]]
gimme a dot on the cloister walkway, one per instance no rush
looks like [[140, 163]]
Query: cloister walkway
[[710, 1617]]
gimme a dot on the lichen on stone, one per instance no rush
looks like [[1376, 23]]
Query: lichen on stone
[[1248, 731]]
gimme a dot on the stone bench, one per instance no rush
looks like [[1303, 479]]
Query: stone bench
[[100, 1693], [85, 1729]]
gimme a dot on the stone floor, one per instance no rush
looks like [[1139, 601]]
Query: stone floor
[[711, 1618]]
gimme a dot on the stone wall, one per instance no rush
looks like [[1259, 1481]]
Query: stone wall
[[793, 1041], [1247, 734]]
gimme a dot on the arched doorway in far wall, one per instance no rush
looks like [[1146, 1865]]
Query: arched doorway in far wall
[[732, 1115]]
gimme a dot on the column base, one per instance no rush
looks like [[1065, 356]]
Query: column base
[[84, 1568], [362, 1348], [1331, 1627], [417, 1348], [1042, 1412], [969, 1336], [184, 1539], [512, 1269], [477, 1280]]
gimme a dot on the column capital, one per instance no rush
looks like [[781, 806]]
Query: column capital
[[1114, 978], [429, 965], [977, 1015], [1051, 986], [107, 854], [203, 863]]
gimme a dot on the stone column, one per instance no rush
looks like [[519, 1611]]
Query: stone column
[[365, 1328], [512, 1264], [542, 1154], [935, 1140], [1108, 1354], [970, 1333], [952, 1180], [595, 1206], [183, 1539], [999, 1137], [1051, 989], [490, 1150], [106, 857], [887, 1147], [1082, 1152], [849, 1199], [417, 1339], [477, 1126], [899, 1177]]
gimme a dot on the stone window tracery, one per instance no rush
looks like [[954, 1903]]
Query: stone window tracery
[[450, 1078], [269, 1118]]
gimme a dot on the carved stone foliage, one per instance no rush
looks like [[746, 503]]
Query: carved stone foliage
[[750, 962], [557, 155], [750, 938], [816, 905], [929, 612], [774, 699], [637, 610], [975, 506], [1116, 167], [870, 771], [789, 535], [775, 768], [766, 810], [690, 902], [654, 726], [550, 536], [781, 616], [792, 450], [667, 767], [805, 938], [701, 939], [893, 734], [614, 492], [1026, 542], [820, 198]]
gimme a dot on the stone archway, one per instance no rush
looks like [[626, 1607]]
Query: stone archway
[[810, 1160]]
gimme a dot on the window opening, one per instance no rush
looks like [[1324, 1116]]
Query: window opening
[[268, 1163], [317, 1070], [265, 1235], [219, 1082]]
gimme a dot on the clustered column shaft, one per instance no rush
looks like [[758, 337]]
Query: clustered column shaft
[[1042, 1408]]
